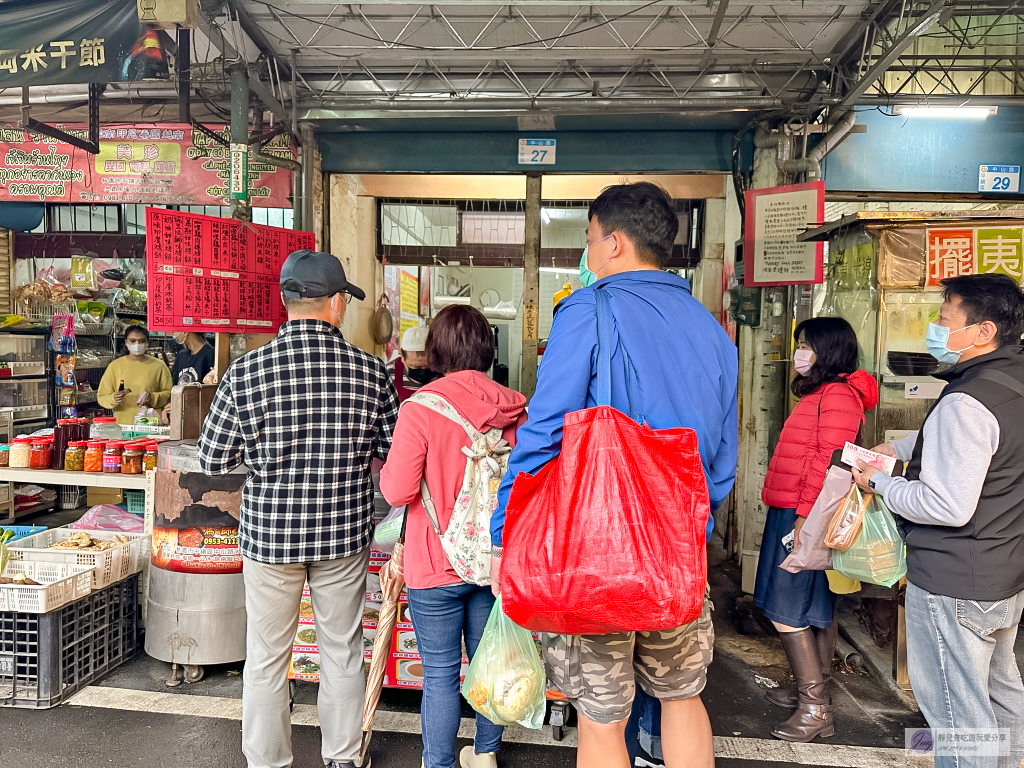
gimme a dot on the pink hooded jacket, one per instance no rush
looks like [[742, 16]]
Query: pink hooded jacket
[[426, 443]]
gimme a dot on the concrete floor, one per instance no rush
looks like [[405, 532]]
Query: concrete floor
[[156, 733]]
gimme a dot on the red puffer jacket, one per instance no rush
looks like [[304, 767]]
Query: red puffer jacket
[[821, 422]]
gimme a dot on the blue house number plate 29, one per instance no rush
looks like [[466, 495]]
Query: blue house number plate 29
[[999, 178], [536, 151]]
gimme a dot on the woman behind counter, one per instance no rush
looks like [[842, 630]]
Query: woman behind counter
[[147, 381]]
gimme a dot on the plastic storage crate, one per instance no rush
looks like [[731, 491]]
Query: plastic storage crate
[[70, 497], [111, 565], [59, 583], [46, 658], [135, 501], [21, 531]]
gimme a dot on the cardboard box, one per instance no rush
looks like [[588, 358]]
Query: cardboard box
[[104, 496]]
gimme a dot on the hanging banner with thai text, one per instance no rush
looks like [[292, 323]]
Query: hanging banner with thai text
[[166, 164], [45, 42], [774, 218], [974, 251], [212, 274]]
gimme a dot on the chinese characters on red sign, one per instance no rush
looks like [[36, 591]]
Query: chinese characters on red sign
[[956, 252], [210, 274]]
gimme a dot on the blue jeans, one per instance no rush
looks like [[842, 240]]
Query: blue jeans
[[644, 727], [441, 617], [963, 670]]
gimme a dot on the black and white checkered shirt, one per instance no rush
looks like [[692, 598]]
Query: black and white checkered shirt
[[307, 413]]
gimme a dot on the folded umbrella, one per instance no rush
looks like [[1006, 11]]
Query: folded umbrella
[[391, 583]]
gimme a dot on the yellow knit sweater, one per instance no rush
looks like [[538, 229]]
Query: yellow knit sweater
[[149, 375]]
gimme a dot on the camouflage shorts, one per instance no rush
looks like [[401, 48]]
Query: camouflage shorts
[[599, 673]]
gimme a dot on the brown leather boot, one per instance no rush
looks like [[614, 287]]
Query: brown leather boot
[[826, 640], [813, 716]]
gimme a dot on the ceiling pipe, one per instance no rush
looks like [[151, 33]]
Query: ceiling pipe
[[811, 165]]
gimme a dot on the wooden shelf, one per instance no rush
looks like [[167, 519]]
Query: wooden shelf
[[60, 477]]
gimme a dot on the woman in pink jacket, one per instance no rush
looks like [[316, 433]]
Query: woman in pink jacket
[[426, 445]]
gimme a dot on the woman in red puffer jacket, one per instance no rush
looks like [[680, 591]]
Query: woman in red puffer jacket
[[834, 395]]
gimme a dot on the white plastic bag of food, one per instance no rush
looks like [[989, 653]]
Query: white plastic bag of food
[[505, 682], [388, 530]]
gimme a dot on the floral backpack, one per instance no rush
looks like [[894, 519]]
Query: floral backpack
[[467, 540]]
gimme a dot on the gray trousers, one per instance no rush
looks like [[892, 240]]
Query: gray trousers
[[272, 596]]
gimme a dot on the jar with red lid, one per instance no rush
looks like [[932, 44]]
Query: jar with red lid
[[94, 456], [149, 459], [112, 457], [21, 452], [105, 428], [40, 454], [131, 458], [74, 456]]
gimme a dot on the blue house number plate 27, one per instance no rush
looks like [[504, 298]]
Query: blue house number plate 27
[[999, 178]]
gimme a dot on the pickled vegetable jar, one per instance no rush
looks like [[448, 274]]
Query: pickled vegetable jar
[[112, 457], [94, 456], [21, 450], [40, 454], [131, 459], [74, 457], [149, 460]]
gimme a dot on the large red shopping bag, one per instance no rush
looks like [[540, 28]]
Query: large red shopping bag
[[610, 535]]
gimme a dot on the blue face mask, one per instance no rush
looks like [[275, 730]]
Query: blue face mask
[[587, 277], [937, 342]]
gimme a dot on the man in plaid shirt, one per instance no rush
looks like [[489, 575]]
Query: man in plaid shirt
[[307, 414]]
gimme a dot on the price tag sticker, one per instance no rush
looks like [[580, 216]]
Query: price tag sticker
[[536, 151], [999, 178]]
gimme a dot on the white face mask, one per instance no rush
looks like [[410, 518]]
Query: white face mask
[[137, 349], [181, 338]]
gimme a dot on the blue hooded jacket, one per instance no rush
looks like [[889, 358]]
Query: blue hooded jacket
[[686, 368]]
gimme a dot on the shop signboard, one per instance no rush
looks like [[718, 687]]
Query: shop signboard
[[46, 42], [212, 274], [155, 163], [974, 250], [195, 528], [774, 218]]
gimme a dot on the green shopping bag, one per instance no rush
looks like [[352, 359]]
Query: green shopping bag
[[878, 554], [505, 682]]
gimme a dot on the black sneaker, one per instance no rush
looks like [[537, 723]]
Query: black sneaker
[[334, 764]]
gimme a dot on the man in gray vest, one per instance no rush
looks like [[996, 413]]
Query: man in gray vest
[[960, 509]]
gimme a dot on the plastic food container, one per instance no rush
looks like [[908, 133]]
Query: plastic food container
[[74, 456], [131, 459], [40, 454], [112, 458], [105, 428], [5, 455], [94, 456]]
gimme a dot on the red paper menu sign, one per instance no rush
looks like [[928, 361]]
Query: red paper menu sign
[[212, 274]]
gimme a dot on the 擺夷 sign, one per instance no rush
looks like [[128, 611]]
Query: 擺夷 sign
[[984, 250], [45, 42]]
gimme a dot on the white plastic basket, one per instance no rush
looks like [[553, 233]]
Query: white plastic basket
[[110, 565], [61, 583]]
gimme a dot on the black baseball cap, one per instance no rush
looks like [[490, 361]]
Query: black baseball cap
[[309, 274]]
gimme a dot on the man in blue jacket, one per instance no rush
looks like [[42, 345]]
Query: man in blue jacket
[[686, 368]]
